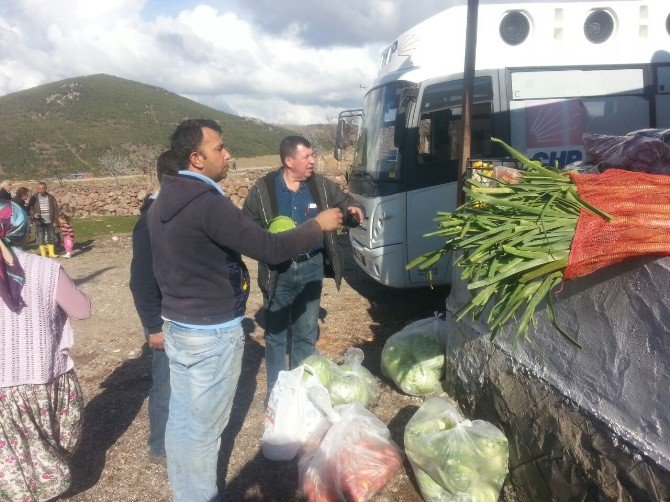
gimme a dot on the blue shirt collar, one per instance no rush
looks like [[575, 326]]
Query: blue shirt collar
[[203, 178], [285, 187]]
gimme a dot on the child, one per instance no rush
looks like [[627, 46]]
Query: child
[[67, 234]]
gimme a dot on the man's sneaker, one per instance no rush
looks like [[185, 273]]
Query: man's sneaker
[[158, 459]]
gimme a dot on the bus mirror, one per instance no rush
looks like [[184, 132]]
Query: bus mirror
[[347, 131]]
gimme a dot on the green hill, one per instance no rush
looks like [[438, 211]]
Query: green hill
[[72, 123]]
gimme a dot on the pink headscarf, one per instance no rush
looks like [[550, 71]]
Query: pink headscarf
[[13, 228]]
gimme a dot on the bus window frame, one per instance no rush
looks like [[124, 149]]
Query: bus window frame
[[418, 176]]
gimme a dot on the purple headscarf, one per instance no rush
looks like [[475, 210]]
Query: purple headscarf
[[13, 228]]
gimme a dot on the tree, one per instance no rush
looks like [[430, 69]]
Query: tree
[[115, 165], [58, 170]]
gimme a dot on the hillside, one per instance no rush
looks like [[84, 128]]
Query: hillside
[[72, 123]]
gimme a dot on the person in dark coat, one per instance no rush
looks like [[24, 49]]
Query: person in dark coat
[[147, 297]]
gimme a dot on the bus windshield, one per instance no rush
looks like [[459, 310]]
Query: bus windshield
[[375, 155]]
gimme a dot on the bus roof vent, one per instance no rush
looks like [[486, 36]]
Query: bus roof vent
[[514, 27], [599, 26]]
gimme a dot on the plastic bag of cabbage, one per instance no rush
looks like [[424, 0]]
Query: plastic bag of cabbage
[[455, 459], [348, 383], [414, 357]]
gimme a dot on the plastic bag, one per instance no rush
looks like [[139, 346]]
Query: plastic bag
[[352, 382], [414, 357], [290, 416], [350, 460], [646, 150], [453, 458]]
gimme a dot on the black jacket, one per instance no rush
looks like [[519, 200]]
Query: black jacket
[[197, 238], [143, 284], [261, 206], [34, 205]]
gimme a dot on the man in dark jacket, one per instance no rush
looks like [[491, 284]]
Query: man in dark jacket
[[147, 297], [292, 290], [197, 238]]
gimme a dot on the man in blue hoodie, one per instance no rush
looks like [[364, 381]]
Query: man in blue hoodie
[[197, 237]]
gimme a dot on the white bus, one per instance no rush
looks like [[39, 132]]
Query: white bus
[[546, 72]]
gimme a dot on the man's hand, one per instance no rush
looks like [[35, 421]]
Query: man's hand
[[330, 219], [356, 212], [156, 341]]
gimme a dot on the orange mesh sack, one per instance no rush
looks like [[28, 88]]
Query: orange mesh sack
[[640, 206]]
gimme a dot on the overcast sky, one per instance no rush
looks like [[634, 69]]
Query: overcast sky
[[282, 61]]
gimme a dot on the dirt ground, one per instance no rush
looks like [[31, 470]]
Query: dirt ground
[[115, 370]]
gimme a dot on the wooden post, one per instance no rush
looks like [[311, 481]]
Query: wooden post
[[468, 84]]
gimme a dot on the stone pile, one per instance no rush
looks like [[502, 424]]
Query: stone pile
[[84, 198]]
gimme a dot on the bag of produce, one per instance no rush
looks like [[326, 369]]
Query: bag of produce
[[350, 460], [414, 357], [290, 416], [321, 368], [351, 382], [453, 458]]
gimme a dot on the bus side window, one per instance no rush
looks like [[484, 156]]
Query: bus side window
[[440, 135]]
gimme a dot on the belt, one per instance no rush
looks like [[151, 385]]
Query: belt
[[305, 256]]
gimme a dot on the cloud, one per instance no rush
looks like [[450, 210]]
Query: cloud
[[257, 58]]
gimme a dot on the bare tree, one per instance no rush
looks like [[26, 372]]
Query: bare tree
[[115, 165], [58, 171]]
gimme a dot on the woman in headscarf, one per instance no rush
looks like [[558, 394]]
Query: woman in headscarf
[[41, 403]]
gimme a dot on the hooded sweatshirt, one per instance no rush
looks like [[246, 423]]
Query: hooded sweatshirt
[[197, 239]]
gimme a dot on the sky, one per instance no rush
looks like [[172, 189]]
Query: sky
[[281, 61]]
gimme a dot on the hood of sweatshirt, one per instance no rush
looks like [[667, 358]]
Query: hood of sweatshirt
[[177, 192]]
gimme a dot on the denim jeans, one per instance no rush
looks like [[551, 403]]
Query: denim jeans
[[205, 366], [159, 401], [45, 233], [295, 307]]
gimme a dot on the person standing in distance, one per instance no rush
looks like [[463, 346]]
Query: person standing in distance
[[292, 290], [197, 238], [44, 212]]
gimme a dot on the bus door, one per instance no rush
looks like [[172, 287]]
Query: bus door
[[431, 163]]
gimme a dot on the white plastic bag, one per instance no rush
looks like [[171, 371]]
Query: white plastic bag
[[350, 460], [414, 357], [455, 459], [290, 416]]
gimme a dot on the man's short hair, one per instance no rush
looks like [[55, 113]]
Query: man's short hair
[[41, 183], [290, 144], [187, 137], [6, 182], [167, 164]]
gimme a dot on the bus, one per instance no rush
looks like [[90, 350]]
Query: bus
[[545, 74]]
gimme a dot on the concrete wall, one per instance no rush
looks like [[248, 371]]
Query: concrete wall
[[580, 422]]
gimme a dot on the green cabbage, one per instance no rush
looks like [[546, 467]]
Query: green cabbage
[[280, 224], [350, 388], [320, 367], [468, 460], [415, 362]]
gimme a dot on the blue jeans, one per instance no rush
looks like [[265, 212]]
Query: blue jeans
[[159, 401], [205, 366], [295, 306]]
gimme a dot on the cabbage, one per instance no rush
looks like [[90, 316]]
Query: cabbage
[[468, 460], [414, 360], [280, 224], [350, 388], [321, 368]]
